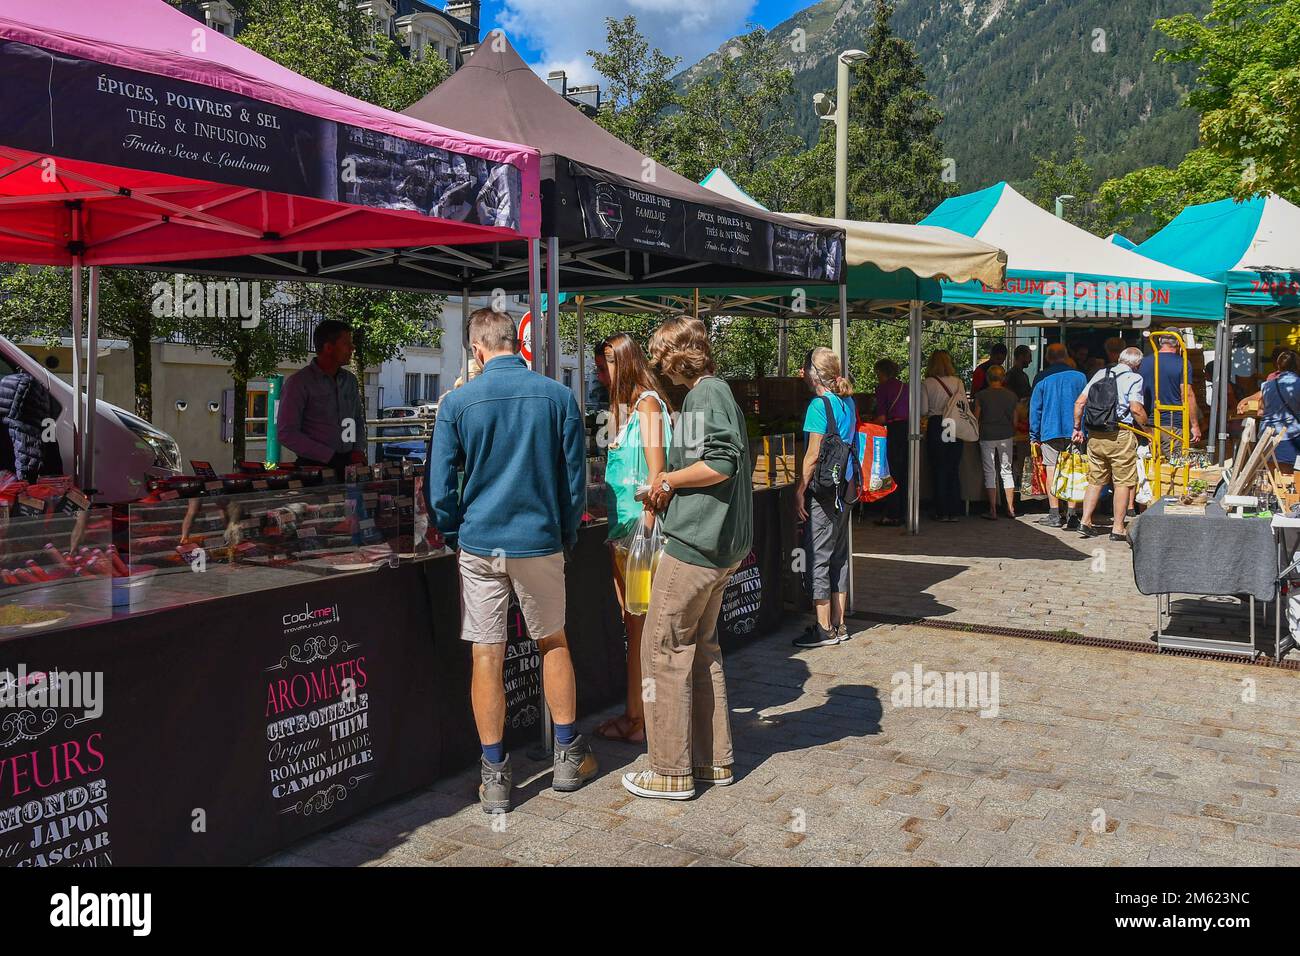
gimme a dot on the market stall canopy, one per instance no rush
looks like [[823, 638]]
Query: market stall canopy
[[623, 219], [1059, 272], [1123, 242], [130, 133], [1252, 247], [719, 182], [885, 261]]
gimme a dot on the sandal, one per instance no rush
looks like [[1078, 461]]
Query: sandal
[[622, 728]]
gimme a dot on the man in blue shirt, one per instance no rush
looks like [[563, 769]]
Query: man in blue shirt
[[1112, 454], [519, 438], [1170, 390], [1051, 423]]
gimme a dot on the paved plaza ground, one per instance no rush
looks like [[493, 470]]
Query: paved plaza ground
[[1094, 757]]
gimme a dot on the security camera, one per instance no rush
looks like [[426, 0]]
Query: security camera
[[824, 105], [214, 407], [182, 405]]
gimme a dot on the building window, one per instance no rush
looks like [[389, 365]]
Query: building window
[[412, 388], [431, 388], [255, 412]]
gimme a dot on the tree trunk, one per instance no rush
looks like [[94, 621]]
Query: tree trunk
[[142, 362], [241, 409]]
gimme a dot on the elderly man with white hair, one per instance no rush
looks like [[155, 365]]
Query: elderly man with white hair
[[1109, 402]]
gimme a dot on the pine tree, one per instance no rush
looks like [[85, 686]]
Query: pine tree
[[896, 161]]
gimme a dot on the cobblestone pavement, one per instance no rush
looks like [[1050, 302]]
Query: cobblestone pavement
[[1021, 574], [1094, 757]]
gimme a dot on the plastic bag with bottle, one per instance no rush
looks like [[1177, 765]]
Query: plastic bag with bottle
[[642, 561]]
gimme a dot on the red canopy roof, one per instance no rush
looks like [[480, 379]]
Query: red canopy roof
[[131, 133]]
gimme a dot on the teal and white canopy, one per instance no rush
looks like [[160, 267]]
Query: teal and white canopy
[[1252, 247], [1057, 271]]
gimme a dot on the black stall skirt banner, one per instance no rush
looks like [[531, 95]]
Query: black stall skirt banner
[[753, 602], [224, 731], [645, 220], [65, 106]]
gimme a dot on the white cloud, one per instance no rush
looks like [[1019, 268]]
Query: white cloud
[[566, 30]]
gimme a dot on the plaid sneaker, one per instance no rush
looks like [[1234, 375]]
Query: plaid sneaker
[[716, 776], [494, 790], [574, 765], [659, 786]]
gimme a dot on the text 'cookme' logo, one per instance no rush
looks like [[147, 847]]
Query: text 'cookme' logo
[[310, 617]]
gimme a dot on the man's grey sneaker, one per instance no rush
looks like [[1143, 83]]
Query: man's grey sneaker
[[574, 765], [494, 790], [1052, 520], [816, 637]]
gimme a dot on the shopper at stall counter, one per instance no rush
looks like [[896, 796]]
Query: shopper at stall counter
[[519, 438], [825, 515], [1281, 408], [320, 417], [1112, 454], [640, 431], [707, 503], [1051, 423]]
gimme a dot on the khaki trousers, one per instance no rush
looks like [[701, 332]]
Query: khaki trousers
[[687, 723]]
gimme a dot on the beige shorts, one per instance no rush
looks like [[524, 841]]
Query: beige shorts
[[1112, 458], [485, 586]]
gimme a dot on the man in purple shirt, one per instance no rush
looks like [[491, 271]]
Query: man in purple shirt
[[320, 417]]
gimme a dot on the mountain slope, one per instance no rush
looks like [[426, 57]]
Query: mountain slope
[[1016, 78]]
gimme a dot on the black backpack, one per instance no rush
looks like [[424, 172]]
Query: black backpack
[[834, 461], [1101, 411]]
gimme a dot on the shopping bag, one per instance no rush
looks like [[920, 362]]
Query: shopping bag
[[1071, 479], [1035, 480], [873, 463], [1144, 494], [642, 562]]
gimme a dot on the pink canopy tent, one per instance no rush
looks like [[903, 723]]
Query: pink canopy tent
[[181, 143], [131, 134]]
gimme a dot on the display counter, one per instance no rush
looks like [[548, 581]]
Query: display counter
[[216, 724]]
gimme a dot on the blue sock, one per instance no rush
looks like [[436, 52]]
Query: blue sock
[[565, 734], [494, 753]]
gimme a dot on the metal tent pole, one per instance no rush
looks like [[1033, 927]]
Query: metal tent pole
[[552, 365], [782, 347], [535, 291], [92, 390], [1222, 375], [582, 356], [464, 335], [914, 325], [78, 413], [840, 334]]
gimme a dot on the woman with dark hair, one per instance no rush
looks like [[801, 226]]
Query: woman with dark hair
[[1281, 408], [707, 504], [639, 431]]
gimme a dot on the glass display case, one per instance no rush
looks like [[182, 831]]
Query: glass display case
[[186, 549], [56, 568]]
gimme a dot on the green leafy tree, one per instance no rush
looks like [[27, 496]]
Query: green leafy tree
[[1145, 200], [638, 86], [1068, 175], [1247, 87], [36, 303], [738, 118], [895, 158]]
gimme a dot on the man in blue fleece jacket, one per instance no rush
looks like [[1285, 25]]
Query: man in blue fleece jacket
[[1051, 423], [521, 443]]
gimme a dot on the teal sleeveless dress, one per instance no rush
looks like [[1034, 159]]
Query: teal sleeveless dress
[[626, 468]]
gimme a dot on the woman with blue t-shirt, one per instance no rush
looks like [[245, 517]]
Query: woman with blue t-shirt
[[825, 518]]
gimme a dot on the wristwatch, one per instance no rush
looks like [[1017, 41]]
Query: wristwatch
[[665, 487]]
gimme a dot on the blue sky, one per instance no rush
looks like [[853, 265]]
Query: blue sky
[[554, 34]]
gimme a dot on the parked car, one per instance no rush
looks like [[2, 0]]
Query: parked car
[[414, 431], [128, 450]]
